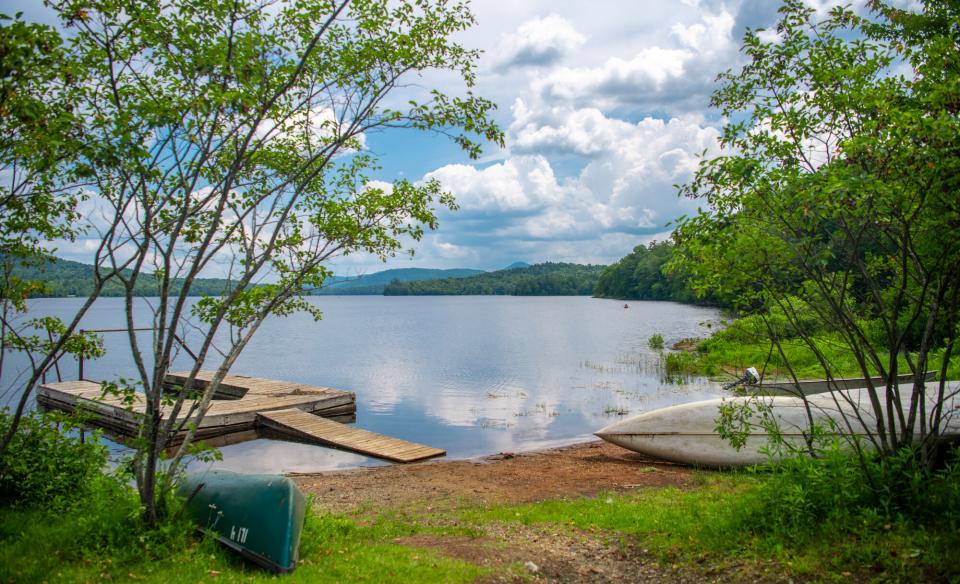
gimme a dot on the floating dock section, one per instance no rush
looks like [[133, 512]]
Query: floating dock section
[[242, 408], [233, 410], [304, 427]]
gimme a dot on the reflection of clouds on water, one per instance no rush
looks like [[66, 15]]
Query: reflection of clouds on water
[[387, 387], [266, 456], [472, 375], [456, 410]]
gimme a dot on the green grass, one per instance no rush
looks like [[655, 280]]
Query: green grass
[[37, 546], [714, 527], [745, 343], [655, 341], [719, 525]]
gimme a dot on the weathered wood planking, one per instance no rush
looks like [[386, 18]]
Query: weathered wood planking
[[240, 386], [310, 428], [223, 416]]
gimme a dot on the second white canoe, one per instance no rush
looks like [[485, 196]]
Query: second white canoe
[[686, 433]]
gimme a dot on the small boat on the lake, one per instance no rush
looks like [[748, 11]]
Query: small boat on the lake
[[258, 516], [687, 433]]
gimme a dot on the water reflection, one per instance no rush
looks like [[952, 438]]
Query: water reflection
[[472, 375]]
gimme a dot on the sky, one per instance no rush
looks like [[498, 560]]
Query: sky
[[605, 106]]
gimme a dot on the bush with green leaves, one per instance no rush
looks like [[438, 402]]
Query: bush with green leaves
[[46, 462], [801, 494]]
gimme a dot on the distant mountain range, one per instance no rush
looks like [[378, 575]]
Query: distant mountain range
[[64, 278], [517, 265]]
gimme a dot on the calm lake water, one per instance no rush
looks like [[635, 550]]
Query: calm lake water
[[473, 375]]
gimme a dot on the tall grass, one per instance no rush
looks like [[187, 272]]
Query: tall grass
[[656, 341]]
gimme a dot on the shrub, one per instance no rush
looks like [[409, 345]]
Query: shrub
[[801, 495], [45, 464]]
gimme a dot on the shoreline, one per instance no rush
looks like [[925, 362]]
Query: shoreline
[[574, 470]]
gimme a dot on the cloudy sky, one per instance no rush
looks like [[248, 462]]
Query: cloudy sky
[[605, 107]]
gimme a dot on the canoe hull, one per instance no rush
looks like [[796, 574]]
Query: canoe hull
[[258, 516], [686, 433]]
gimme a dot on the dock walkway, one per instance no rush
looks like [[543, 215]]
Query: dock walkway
[[313, 429]]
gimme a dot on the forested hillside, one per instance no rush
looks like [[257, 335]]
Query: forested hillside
[[376, 282], [641, 276], [547, 279], [66, 278]]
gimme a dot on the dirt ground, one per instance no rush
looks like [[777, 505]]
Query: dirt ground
[[547, 553], [571, 471]]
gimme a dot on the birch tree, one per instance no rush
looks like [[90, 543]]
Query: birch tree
[[232, 140]]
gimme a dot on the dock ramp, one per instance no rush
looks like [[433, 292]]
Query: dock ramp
[[303, 426]]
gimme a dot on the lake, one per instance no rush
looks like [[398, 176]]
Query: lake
[[474, 375]]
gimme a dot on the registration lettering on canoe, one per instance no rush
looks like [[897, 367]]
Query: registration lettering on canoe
[[238, 535]]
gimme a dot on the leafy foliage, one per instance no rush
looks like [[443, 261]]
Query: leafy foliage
[[546, 279], [835, 487], [836, 197], [41, 137], [40, 133], [642, 275], [47, 465]]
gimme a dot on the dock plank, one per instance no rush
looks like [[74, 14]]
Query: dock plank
[[312, 428]]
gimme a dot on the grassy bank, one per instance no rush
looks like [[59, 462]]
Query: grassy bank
[[746, 343], [37, 546], [721, 527], [825, 519]]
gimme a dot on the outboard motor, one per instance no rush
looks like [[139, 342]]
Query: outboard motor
[[751, 376]]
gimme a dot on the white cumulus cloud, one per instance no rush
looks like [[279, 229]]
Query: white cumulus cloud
[[539, 42], [674, 78]]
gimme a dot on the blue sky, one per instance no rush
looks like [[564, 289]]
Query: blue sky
[[605, 107]]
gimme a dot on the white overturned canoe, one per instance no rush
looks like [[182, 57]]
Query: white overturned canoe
[[686, 433]]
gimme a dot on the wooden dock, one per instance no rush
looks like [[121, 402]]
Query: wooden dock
[[304, 427], [243, 408], [225, 416]]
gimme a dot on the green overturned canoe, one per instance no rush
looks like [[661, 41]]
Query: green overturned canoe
[[258, 516]]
